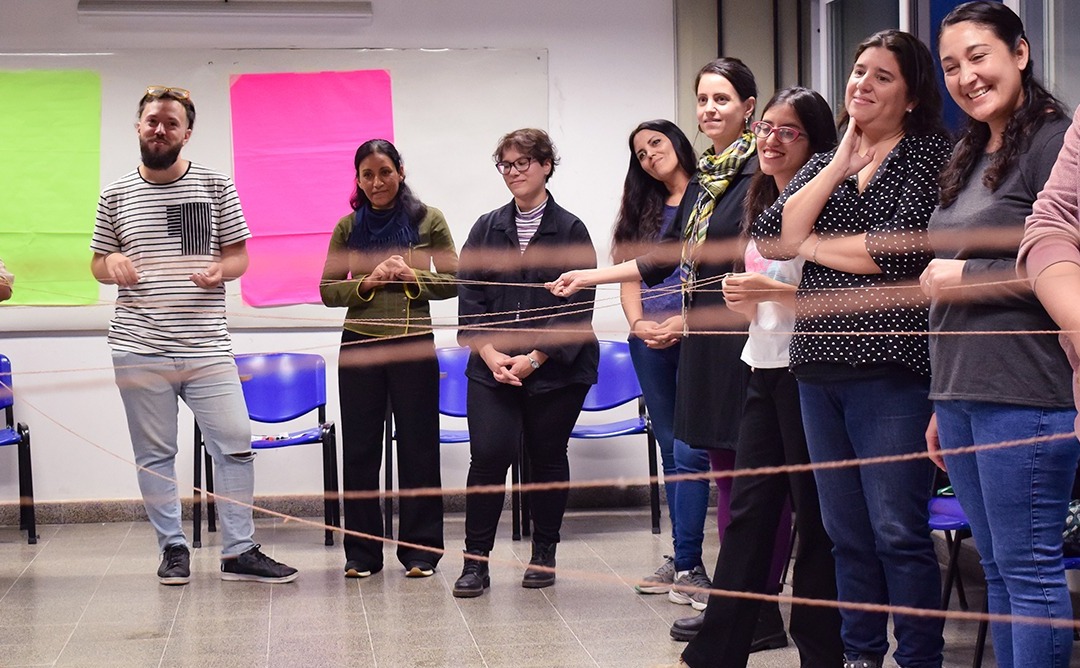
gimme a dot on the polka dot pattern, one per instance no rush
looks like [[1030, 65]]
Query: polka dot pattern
[[893, 212]]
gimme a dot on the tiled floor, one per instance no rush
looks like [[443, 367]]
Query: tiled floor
[[86, 595]]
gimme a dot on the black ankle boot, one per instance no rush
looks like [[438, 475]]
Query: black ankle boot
[[474, 577], [542, 555], [686, 628], [769, 632]]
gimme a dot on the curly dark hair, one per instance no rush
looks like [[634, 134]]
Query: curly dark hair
[[817, 119], [415, 210], [1037, 106], [642, 210]]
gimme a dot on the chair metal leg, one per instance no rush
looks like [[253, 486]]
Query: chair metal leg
[[952, 572], [654, 483], [27, 518], [330, 495], [526, 477], [388, 478], [515, 497], [196, 498], [211, 503], [980, 639], [334, 473]]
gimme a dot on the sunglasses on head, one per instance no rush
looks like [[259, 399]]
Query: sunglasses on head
[[155, 92]]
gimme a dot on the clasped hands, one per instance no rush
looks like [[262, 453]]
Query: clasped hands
[[511, 370]]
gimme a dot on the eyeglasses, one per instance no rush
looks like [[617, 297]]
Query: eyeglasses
[[155, 92], [784, 134], [521, 164]]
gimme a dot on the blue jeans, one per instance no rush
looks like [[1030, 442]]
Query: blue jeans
[[691, 505], [657, 371], [210, 386], [877, 515], [1016, 499]]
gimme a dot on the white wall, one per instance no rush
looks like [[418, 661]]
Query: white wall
[[611, 66]]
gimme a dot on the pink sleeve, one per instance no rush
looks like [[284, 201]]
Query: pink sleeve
[[1052, 231]]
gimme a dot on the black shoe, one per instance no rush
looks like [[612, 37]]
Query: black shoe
[[254, 566], [769, 632], [864, 661], [474, 577], [175, 568], [419, 569], [354, 569], [686, 628], [766, 635], [542, 555]]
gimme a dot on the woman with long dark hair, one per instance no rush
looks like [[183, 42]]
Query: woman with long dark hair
[[387, 260], [703, 247], [858, 216], [661, 164], [796, 124], [990, 389]]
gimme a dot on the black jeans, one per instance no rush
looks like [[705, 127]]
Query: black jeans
[[407, 372], [502, 419], [770, 434]]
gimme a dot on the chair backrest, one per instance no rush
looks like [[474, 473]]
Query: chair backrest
[[616, 381], [453, 383], [6, 398], [281, 386]]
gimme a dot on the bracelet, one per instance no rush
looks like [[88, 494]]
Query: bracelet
[[634, 324], [813, 256], [532, 362]]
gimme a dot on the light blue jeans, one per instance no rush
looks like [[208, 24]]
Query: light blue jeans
[[210, 386], [1016, 499]]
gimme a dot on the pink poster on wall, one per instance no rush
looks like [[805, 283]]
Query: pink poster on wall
[[294, 136]]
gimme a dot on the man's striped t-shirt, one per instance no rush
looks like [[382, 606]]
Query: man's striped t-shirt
[[169, 232]]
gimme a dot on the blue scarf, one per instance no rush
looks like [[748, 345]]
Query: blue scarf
[[382, 229]]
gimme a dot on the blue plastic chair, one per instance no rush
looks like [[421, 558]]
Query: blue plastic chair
[[279, 387], [18, 434], [947, 516], [453, 392], [616, 385]]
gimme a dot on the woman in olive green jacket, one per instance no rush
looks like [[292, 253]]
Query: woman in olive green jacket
[[387, 259]]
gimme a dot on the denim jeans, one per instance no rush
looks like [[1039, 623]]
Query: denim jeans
[[210, 386], [692, 504], [1016, 499], [657, 371], [877, 515]]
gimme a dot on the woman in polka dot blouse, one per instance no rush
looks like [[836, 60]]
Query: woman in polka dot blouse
[[858, 216]]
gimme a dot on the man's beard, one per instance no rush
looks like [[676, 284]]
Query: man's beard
[[159, 161]]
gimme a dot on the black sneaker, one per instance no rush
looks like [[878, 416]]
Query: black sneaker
[[254, 566], [175, 568], [419, 569]]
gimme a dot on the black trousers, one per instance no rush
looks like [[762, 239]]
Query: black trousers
[[407, 372], [770, 434], [502, 419]]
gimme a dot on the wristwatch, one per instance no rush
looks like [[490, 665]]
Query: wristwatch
[[532, 362]]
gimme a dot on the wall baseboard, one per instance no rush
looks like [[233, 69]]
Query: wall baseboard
[[299, 505]]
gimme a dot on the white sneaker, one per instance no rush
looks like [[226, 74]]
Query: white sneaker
[[696, 578]]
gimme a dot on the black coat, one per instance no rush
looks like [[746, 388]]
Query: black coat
[[559, 327], [712, 378]]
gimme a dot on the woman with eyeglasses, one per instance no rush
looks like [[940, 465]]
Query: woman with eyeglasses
[[534, 356], [703, 246], [796, 124], [993, 389], [858, 215], [387, 259]]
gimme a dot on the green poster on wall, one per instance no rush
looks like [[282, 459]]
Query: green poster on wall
[[50, 143]]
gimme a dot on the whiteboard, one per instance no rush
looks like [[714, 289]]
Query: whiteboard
[[450, 108]]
